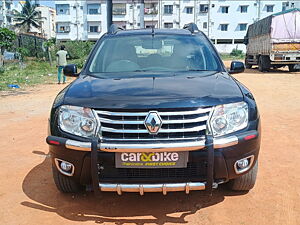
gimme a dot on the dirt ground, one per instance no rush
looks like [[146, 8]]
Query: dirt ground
[[28, 194]]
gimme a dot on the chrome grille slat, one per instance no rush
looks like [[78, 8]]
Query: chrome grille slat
[[175, 113], [144, 131], [199, 119], [156, 139], [183, 124]]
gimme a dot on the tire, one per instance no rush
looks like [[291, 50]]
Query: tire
[[264, 63], [245, 182], [247, 65], [65, 184], [291, 68]]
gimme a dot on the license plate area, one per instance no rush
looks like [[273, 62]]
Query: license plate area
[[151, 160]]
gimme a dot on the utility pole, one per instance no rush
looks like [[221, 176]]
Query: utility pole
[[259, 9], [142, 14], [208, 18], [109, 13]]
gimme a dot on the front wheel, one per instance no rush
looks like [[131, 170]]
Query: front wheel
[[245, 182], [247, 65], [292, 68], [64, 183]]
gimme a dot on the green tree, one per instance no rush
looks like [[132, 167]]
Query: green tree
[[28, 17], [6, 41]]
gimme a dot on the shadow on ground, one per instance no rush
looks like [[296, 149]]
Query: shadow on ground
[[279, 71], [155, 208]]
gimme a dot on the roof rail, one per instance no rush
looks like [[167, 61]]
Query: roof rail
[[192, 27], [113, 29]]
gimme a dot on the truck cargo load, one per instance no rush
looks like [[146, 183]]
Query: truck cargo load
[[274, 41]]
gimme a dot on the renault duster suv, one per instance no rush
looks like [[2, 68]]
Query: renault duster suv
[[154, 110]]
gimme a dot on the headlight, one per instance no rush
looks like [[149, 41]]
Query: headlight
[[77, 120], [229, 118]]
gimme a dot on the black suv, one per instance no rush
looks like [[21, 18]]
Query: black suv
[[154, 110]]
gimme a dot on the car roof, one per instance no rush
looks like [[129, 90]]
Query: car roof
[[156, 31]]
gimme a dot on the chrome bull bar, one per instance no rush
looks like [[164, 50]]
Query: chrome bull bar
[[163, 188]]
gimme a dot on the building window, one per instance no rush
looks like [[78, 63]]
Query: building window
[[270, 8], [62, 9], [168, 9], [151, 8], [203, 8], [189, 10], [244, 8], [62, 28], [204, 25], [168, 25], [224, 27], [243, 26], [119, 9], [93, 29], [224, 9], [94, 9], [285, 5]]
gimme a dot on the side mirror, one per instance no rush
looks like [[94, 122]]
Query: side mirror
[[70, 70], [236, 67]]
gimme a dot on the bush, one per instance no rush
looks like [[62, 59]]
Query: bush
[[76, 49], [237, 53], [79, 62], [2, 70], [22, 53]]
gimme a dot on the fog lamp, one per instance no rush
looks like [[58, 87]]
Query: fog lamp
[[242, 163], [65, 166]]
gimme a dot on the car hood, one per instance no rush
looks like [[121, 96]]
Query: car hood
[[189, 90]]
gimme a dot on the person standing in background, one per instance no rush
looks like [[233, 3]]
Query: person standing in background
[[61, 62]]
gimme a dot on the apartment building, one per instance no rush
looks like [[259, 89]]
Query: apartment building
[[48, 22], [5, 13], [48, 19], [224, 21]]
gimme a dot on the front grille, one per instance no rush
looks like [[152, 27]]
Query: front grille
[[195, 171], [177, 124]]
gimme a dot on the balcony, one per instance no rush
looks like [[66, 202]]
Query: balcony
[[151, 11], [151, 1]]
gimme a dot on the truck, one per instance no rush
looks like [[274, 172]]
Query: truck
[[154, 110], [274, 42]]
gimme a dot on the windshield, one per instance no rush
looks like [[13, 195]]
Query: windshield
[[158, 53]]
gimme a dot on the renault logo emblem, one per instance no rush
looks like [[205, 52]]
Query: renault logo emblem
[[153, 122]]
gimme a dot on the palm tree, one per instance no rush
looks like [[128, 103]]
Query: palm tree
[[28, 17]]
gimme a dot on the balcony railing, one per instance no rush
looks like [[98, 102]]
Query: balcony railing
[[151, 11]]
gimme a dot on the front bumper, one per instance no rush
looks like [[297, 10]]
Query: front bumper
[[149, 147], [217, 158]]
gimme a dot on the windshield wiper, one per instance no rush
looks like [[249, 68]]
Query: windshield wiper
[[197, 70], [140, 70]]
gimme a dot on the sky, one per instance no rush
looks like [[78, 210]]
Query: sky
[[42, 2], [47, 3]]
